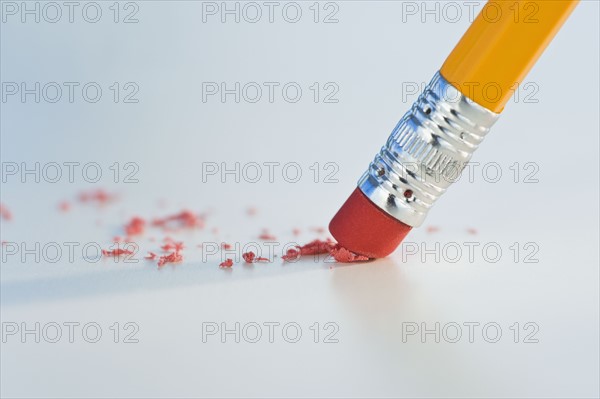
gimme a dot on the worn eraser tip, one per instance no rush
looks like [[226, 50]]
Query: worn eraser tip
[[361, 227]]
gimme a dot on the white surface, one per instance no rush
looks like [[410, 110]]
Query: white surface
[[171, 132]]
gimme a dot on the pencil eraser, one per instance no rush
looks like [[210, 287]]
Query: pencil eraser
[[361, 227]]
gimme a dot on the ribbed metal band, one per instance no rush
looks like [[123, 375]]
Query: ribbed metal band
[[426, 152]]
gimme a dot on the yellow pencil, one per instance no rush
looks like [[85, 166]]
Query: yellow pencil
[[433, 142], [501, 46]]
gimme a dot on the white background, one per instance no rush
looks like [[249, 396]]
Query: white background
[[373, 53]]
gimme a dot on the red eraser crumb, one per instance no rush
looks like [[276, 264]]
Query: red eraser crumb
[[116, 252], [64, 206], [432, 229], [342, 255], [225, 246], [135, 226], [173, 257], [5, 213], [361, 227], [315, 247], [183, 219], [291, 254], [250, 257], [472, 231], [100, 196], [227, 263], [177, 246], [266, 236], [150, 256]]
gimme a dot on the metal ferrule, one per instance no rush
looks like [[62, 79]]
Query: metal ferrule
[[426, 152]]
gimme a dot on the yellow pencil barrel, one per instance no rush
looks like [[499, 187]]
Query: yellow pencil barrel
[[501, 46]]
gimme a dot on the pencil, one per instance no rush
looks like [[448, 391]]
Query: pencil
[[436, 138]]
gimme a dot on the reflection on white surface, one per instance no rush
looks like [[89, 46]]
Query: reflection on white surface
[[372, 304]]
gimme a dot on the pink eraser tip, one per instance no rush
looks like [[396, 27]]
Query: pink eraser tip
[[361, 227]]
